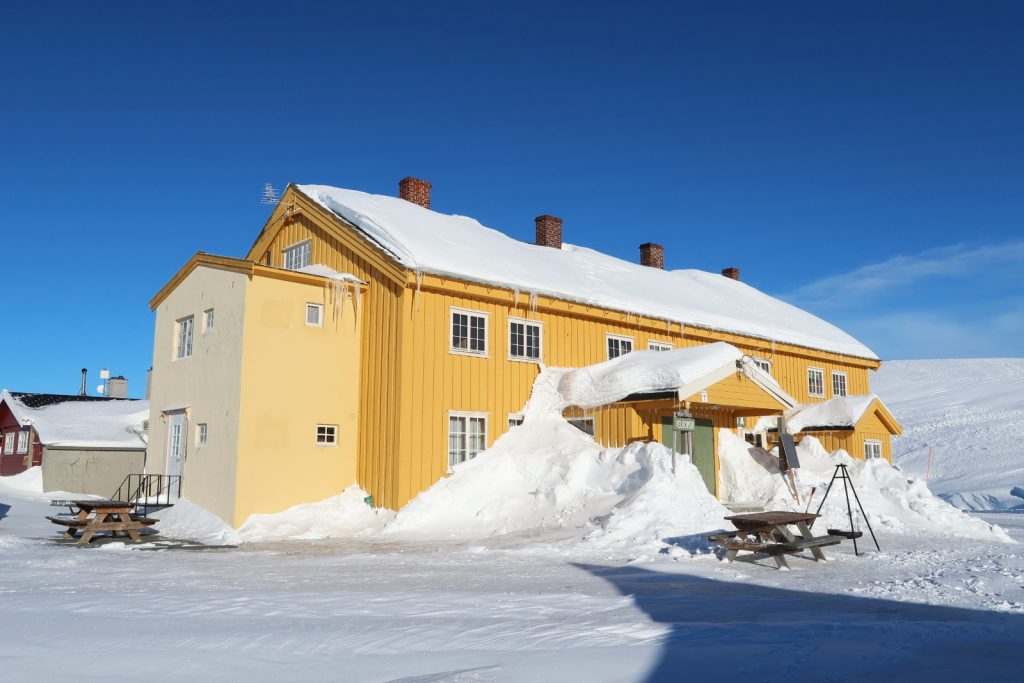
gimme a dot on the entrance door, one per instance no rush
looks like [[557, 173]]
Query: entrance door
[[175, 443], [702, 444]]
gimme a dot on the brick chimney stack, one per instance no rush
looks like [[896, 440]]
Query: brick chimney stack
[[415, 190], [733, 273], [549, 231], [652, 255]]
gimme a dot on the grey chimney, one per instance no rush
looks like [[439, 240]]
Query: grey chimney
[[117, 387], [81, 392]]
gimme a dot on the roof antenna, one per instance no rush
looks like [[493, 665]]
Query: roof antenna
[[271, 196]]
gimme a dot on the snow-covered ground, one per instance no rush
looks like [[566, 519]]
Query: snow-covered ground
[[968, 413]]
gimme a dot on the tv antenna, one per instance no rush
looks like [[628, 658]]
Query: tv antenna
[[270, 195]]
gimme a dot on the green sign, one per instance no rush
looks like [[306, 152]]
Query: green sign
[[685, 424]]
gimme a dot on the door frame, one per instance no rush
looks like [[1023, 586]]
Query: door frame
[[170, 417]]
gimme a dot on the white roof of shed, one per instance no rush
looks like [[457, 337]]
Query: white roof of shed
[[90, 424], [431, 242]]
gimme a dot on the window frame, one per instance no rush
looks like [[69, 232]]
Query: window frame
[[759, 363], [9, 443], [319, 315], [657, 345], [208, 320], [873, 442], [515, 419], [306, 245], [836, 374], [22, 448], [470, 313], [526, 322], [330, 435], [180, 337], [609, 337], [821, 376], [466, 416], [202, 432]]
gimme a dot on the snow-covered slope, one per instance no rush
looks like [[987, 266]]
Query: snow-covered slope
[[969, 413]]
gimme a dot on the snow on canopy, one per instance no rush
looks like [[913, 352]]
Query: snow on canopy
[[95, 424], [329, 273], [457, 246], [842, 411]]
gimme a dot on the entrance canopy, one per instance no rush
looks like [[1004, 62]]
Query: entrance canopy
[[716, 373]]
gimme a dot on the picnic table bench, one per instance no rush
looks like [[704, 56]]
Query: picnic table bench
[[94, 516], [772, 536]]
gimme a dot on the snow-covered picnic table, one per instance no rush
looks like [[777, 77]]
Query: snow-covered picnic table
[[93, 516], [771, 529]]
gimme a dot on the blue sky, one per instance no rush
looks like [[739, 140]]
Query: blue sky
[[862, 160]]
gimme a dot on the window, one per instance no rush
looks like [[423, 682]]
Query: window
[[9, 443], [327, 435], [184, 349], [297, 255], [763, 365], [467, 434], [872, 449], [201, 434], [741, 423], [816, 382], [584, 424], [22, 442], [839, 384], [469, 332], [207, 320], [619, 346], [659, 346], [315, 315], [514, 420], [524, 339]]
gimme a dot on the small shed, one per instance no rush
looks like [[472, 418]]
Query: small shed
[[84, 444], [860, 425]]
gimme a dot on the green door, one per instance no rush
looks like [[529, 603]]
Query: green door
[[703, 440]]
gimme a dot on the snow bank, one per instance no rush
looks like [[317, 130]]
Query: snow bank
[[187, 521], [346, 514], [432, 242], [29, 481], [891, 501]]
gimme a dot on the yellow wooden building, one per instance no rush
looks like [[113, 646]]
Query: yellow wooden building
[[431, 331]]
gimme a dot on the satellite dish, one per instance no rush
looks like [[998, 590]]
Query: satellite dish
[[100, 389]]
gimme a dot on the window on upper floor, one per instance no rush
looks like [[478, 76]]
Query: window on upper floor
[[816, 382], [524, 339], [207, 320], [872, 449], [659, 346], [315, 315], [839, 384], [184, 338], [467, 436], [298, 255], [764, 365], [201, 434], [619, 345], [469, 332]]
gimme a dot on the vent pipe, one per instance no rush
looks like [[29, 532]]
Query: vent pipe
[[81, 392]]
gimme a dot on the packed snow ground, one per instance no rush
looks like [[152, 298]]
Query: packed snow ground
[[968, 412]]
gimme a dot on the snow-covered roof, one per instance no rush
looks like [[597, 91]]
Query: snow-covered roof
[[329, 273], [93, 424], [842, 412], [427, 241]]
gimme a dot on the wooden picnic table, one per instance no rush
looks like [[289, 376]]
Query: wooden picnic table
[[94, 516], [773, 536]]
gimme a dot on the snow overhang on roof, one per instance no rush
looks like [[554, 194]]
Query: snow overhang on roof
[[87, 424], [426, 241], [842, 413]]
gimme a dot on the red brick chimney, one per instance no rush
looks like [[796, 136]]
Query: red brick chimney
[[415, 190], [652, 255], [730, 272], [549, 231]]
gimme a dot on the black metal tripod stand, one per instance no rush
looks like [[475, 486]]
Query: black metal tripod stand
[[844, 474]]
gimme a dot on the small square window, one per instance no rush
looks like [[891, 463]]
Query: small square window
[[659, 346], [315, 315], [207, 320], [326, 435], [201, 434]]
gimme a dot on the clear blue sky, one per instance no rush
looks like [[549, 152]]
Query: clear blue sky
[[864, 160]]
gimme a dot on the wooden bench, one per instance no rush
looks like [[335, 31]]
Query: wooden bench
[[68, 521], [767, 532]]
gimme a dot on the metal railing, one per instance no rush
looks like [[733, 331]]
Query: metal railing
[[150, 490]]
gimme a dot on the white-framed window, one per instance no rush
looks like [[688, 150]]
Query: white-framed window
[[315, 315], [207, 320], [839, 384], [22, 442], [514, 420], [467, 436], [816, 382], [872, 449], [469, 332], [9, 443], [584, 424], [298, 255], [201, 434], [184, 348], [618, 345], [763, 365], [525, 339], [327, 435], [741, 422], [659, 346]]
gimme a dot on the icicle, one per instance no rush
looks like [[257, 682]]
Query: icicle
[[358, 299], [515, 298], [533, 302], [416, 296]]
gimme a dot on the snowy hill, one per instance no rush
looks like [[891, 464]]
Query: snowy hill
[[969, 412]]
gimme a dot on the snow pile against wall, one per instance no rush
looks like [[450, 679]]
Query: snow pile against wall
[[345, 514], [968, 414], [892, 502], [432, 242], [188, 521], [29, 481]]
